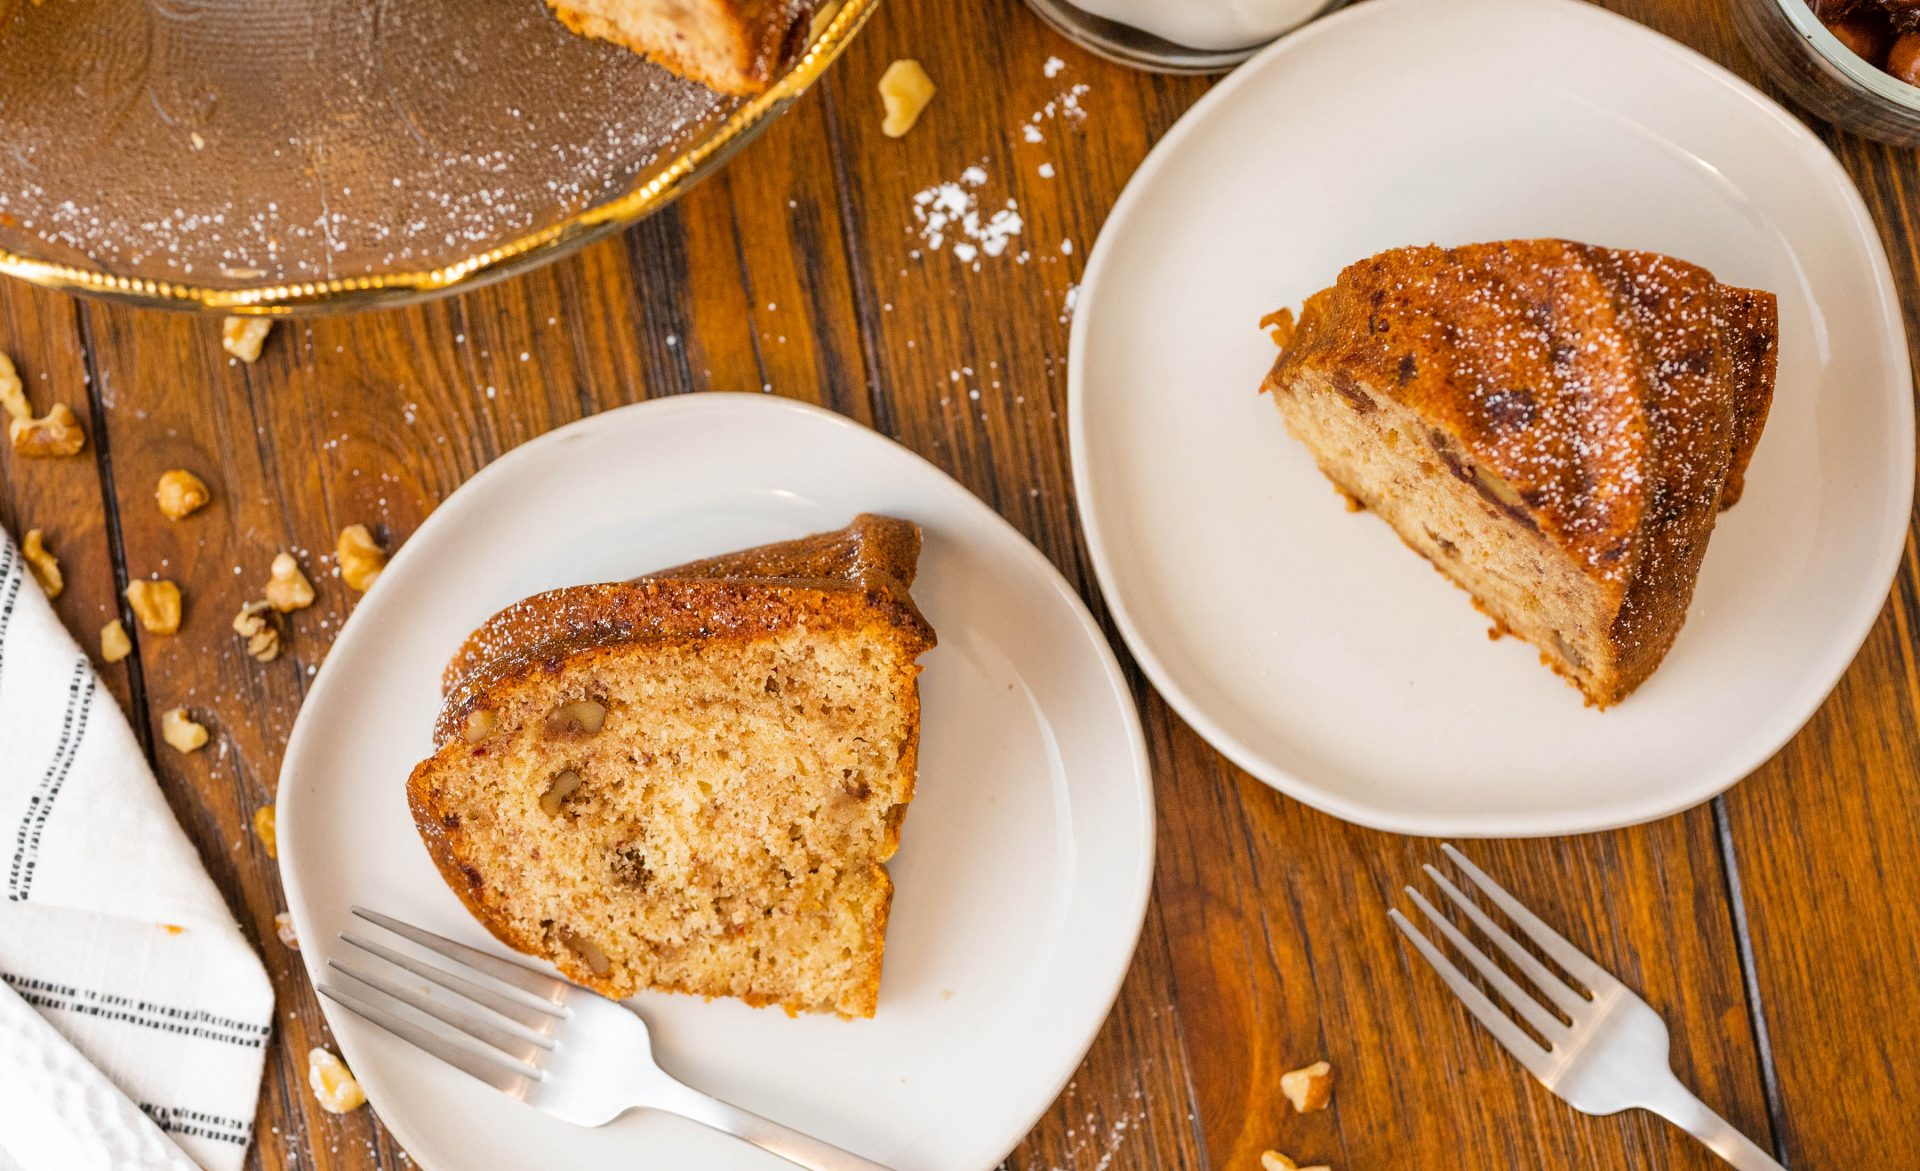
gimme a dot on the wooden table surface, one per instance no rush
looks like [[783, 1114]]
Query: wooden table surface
[[1777, 928]]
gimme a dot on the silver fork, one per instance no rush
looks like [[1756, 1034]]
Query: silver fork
[[1609, 1054], [559, 1048]]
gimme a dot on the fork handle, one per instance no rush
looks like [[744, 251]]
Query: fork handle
[[1680, 1106], [796, 1148]]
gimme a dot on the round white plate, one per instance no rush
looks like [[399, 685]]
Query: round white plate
[[1305, 642], [1025, 862]]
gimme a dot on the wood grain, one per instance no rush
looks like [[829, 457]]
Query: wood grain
[[1776, 929]]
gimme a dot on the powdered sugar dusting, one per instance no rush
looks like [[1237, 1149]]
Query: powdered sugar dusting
[[953, 211], [335, 140]]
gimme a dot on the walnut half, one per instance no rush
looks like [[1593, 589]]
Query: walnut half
[[182, 731], [333, 1083], [59, 433], [905, 90], [258, 625], [287, 588], [1275, 1161], [180, 493], [156, 604]]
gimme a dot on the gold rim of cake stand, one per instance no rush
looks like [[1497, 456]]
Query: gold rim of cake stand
[[518, 255]]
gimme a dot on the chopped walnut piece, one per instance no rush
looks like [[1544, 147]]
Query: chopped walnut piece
[[114, 643], [1275, 1161], [59, 433], [243, 336], [479, 725], [361, 560], [283, 927], [905, 90], [41, 562], [182, 731], [565, 783], [264, 829], [1309, 1089], [333, 1084], [288, 589], [156, 604], [589, 952], [180, 493], [259, 626], [582, 717], [13, 393]]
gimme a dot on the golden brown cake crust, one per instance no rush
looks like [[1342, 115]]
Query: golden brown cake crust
[[851, 579], [1616, 396], [830, 577], [730, 46]]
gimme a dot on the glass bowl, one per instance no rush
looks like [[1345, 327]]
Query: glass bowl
[[300, 156], [1824, 75]]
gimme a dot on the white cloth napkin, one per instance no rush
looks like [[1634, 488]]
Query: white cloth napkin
[[152, 1009]]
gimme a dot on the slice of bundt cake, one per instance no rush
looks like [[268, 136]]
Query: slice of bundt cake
[[733, 46], [691, 781], [1554, 426]]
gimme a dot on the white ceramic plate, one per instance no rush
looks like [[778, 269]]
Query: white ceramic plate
[[1307, 643], [1025, 862]]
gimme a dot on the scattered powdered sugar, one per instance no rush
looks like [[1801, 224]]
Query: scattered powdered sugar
[[392, 141], [953, 210], [951, 216]]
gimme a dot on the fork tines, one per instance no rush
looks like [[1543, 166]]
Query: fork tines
[[502, 1015], [1526, 1003]]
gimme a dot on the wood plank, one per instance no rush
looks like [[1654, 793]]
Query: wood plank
[[41, 332], [1825, 836], [796, 271], [374, 419], [1268, 939], [969, 370], [1284, 954]]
